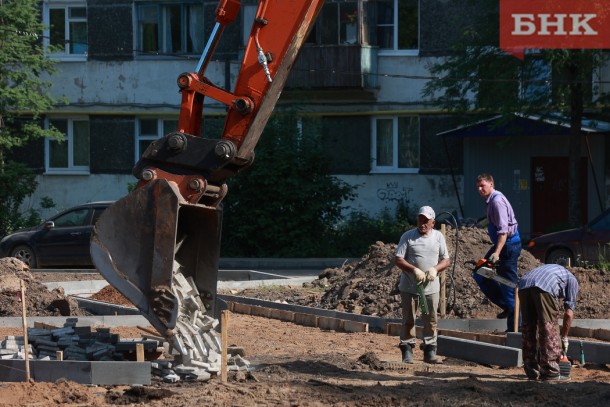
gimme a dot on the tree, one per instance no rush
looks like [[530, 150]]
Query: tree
[[24, 96], [286, 204], [481, 79]]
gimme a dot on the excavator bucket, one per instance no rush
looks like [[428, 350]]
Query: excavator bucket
[[160, 245], [167, 236]]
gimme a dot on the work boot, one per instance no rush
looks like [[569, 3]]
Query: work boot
[[503, 314], [430, 355], [407, 352]]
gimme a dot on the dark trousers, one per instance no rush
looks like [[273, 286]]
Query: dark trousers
[[410, 306], [540, 330], [500, 294]]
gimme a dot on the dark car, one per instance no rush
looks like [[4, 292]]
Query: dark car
[[586, 245], [61, 241]]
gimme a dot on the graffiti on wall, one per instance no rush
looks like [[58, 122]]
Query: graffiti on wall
[[393, 193]]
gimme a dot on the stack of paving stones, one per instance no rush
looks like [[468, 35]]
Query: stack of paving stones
[[195, 346], [196, 343], [75, 343]]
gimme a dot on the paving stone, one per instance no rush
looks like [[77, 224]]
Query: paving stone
[[479, 352]]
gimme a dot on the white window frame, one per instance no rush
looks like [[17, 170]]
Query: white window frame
[[161, 131], [71, 169], [46, 19], [394, 169], [395, 51], [161, 20]]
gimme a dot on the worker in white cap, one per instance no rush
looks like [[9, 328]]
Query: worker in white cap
[[421, 254]]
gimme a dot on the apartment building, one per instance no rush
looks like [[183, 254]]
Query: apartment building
[[361, 74]]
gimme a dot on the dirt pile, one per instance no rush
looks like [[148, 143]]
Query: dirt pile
[[111, 295], [368, 286], [39, 300]]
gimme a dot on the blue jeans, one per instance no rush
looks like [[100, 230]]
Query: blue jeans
[[500, 294]]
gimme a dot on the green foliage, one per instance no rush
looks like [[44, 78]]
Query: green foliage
[[604, 258], [286, 204], [353, 237], [16, 183], [22, 64], [24, 97], [481, 79]]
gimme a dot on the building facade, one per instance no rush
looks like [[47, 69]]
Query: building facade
[[361, 73]]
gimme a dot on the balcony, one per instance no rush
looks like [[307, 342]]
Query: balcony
[[335, 66]]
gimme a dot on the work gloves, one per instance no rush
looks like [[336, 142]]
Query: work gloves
[[419, 275], [493, 259], [431, 274], [564, 345]]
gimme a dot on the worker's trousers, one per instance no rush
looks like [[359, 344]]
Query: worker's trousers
[[540, 333], [502, 295], [410, 305]]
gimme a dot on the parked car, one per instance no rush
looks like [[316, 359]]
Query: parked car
[[61, 241], [585, 245]]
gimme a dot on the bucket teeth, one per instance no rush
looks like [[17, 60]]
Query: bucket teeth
[[150, 236]]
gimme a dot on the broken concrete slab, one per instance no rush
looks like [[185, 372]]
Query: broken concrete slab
[[479, 352]]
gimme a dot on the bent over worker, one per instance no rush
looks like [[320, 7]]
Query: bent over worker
[[420, 255], [539, 294]]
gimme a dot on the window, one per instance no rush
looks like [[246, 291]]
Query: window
[[77, 217], [66, 28], [395, 144], [170, 28], [70, 155], [394, 25], [337, 23], [149, 130], [542, 82]]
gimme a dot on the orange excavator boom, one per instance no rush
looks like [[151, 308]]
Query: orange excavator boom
[[168, 229]]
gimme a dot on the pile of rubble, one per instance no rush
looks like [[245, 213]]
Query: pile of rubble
[[368, 286], [39, 300], [196, 340]]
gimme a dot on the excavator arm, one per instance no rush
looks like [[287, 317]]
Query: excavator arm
[[168, 228]]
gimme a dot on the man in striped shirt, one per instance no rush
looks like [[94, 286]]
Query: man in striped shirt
[[503, 231], [539, 294]]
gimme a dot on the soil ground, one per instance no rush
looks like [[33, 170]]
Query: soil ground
[[302, 366]]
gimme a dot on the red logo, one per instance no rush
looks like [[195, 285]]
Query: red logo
[[553, 24]]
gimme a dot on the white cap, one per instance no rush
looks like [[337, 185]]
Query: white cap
[[427, 211]]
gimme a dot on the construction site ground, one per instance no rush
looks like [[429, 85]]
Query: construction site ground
[[294, 365]]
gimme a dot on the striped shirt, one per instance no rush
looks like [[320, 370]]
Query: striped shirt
[[501, 214], [555, 280]]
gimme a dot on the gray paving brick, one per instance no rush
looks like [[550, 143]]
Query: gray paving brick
[[479, 352]]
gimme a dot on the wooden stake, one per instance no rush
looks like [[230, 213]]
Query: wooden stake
[[516, 322], [139, 352], [149, 331], [26, 345], [224, 325], [443, 305]]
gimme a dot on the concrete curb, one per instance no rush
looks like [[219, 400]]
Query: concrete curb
[[99, 320]]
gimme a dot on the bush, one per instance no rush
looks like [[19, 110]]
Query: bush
[[353, 237]]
